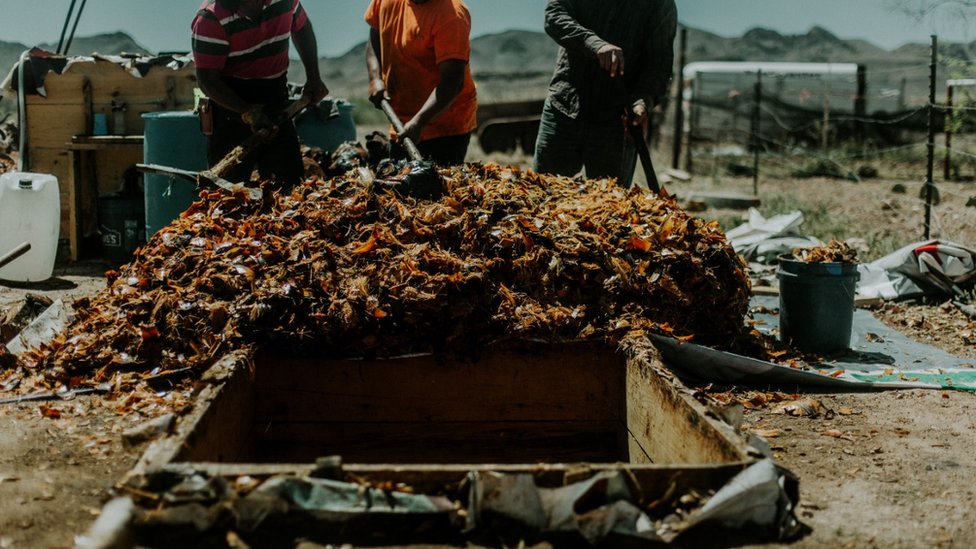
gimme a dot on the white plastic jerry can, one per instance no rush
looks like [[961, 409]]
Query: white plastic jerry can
[[30, 211]]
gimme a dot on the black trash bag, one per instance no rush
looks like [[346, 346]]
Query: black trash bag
[[379, 148], [415, 179], [348, 156]]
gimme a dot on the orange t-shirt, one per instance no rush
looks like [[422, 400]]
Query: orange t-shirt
[[414, 39]]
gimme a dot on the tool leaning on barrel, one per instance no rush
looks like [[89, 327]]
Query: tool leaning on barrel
[[214, 176]]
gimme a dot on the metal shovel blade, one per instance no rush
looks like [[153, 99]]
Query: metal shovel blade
[[200, 178]]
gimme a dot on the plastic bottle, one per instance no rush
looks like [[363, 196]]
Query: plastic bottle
[[30, 211], [118, 117]]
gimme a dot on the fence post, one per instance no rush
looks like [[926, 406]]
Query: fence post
[[679, 105], [947, 162], [860, 105], [825, 129], [929, 185], [757, 103], [694, 116]]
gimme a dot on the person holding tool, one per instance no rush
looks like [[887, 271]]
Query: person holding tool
[[615, 58], [240, 48], [417, 57]]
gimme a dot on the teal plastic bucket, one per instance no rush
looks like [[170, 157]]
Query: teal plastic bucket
[[816, 304], [172, 139], [327, 125]]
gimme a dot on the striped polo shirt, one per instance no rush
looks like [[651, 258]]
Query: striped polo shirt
[[227, 41]]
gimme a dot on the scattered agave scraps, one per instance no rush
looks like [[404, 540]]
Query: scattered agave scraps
[[340, 268], [832, 252]]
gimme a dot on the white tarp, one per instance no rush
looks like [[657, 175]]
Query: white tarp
[[762, 240], [922, 268], [930, 267]]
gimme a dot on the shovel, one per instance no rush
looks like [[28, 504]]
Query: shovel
[[419, 179], [202, 179], [255, 140], [215, 175], [637, 136]]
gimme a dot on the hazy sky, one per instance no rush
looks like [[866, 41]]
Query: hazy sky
[[163, 24]]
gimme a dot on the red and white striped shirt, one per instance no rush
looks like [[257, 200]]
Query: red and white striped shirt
[[227, 41]]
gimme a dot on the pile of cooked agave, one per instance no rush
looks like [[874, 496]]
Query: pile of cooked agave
[[342, 268]]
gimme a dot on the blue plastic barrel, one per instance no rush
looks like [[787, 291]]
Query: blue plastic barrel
[[327, 125], [172, 139]]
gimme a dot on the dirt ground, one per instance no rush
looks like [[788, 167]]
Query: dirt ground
[[876, 469]]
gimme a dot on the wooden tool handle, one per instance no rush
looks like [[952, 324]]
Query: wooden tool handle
[[232, 159], [20, 250], [408, 143]]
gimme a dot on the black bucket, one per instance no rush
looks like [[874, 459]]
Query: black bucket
[[122, 223], [816, 304]]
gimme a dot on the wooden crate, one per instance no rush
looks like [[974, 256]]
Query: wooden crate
[[560, 414]]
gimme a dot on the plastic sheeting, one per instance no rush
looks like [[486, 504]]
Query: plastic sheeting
[[931, 267], [879, 358], [602, 508], [40, 62], [762, 240]]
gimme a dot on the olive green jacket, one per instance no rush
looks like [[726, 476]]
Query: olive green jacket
[[644, 29]]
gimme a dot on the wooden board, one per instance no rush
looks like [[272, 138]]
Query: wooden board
[[572, 382], [112, 164], [427, 442], [110, 81], [668, 426], [654, 480], [665, 426], [729, 200], [220, 424], [67, 110], [51, 126]]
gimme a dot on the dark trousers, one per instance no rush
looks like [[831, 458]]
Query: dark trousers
[[443, 151], [566, 147], [279, 159]]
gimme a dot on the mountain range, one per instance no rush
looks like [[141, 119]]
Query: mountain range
[[516, 65]]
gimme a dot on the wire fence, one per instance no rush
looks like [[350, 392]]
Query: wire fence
[[751, 125]]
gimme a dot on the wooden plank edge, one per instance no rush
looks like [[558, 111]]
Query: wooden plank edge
[[235, 367]]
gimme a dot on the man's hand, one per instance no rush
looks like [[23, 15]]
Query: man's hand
[[611, 59], [412, 130], [315, 90], [377, 92], [259, 121], [639, 115]]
